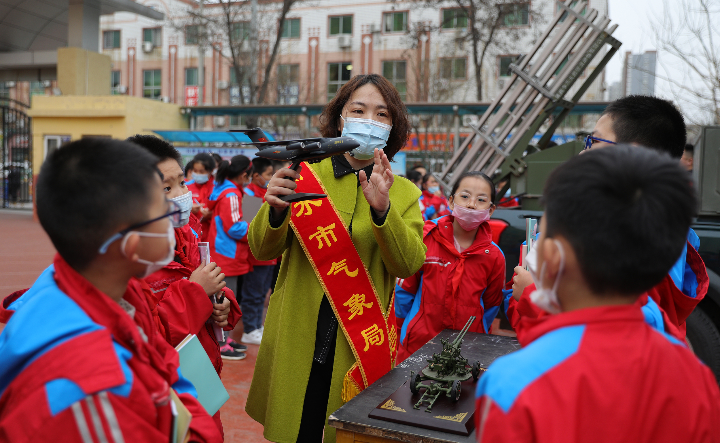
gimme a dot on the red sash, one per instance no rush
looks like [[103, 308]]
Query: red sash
[[371, 333]]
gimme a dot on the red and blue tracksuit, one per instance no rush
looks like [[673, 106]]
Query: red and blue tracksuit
[[450, 287], [433, 206], [75, 366], [228, 231], [598, 375]]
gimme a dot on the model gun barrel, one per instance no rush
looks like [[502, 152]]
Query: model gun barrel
[[462, 333]]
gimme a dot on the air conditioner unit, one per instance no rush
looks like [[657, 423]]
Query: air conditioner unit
[[219, 121], [147, 47], [345, 41], [122, 89], [374, 29], [9, 84], [165, 99], [501, 83], [222, 84], [469, 120], [47, 83]]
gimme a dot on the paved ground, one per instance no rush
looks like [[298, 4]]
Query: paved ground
[[25, 251]]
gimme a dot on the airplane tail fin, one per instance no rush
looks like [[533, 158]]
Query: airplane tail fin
[[256, 135]]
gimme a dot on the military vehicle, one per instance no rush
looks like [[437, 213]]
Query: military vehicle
[[445, 372]]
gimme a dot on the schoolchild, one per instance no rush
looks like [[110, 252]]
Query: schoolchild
[[188, 172], [651, 122], [203, 184], [463, 273], [596, 371], [182, 289], [256, 283], [433, 203], [80, 358], [228, 231]]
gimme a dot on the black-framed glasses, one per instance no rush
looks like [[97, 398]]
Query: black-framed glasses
[[174, 214], [590, 140]]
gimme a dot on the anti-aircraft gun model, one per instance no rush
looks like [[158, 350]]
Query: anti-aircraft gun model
[[444, 373]]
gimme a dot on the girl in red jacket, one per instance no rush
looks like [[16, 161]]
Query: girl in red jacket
[[432, 202], [201, 187], [228, 231], [463, 272]]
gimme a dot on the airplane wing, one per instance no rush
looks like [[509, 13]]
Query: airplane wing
[[263, 145]]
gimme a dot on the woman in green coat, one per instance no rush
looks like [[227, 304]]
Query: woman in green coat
[[304, 356]]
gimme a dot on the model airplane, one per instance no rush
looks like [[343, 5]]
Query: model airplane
[[310, 150]]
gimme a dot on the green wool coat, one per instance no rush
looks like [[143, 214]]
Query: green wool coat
[[395, 249]]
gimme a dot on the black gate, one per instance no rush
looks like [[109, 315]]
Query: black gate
[[15, 155]]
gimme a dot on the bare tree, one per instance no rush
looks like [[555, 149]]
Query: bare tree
[[687, 37], [228, 23], [483, 27]]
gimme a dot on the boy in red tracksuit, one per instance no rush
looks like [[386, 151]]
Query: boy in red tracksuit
[[228, 231], [597, 371], [463, 273], [432, 203], [202, 186], [80, 358], [256, 282], [181, 290]]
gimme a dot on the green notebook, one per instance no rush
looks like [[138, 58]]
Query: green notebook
[[195, 365]]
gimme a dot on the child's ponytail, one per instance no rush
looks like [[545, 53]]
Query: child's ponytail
[[237, 166]]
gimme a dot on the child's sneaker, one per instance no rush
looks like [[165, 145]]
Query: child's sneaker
[[237, 346], [253, 338], [229, 353]]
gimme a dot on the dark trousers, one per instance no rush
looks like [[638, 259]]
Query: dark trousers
[[254, 288]]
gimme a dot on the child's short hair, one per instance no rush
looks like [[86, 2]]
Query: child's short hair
[[157, 146], [206, 160], [82, 201], [414, 175], [625, 210], [261, 164], [648, 121]]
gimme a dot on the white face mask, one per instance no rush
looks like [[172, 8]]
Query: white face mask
[[185, 203], [156, 265], [545, 298]]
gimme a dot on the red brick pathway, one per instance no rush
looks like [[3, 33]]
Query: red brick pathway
[[25, 251]]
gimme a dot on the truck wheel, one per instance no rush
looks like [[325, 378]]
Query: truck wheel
[[704, 339]]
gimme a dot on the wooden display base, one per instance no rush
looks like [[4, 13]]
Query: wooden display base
[[456, 418]]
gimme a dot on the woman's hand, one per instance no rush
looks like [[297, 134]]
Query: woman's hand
[[377, 189], [282, 183]]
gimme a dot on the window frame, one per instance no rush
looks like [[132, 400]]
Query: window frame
[[515, 3], [560, 11], [499, 64], [114, 89], [407, 21], [454, 28], [153, 87], [243, 23], [352, 25], [340, 82], [299, 19], [119, 39], [197, 35], [394, 80], [452, 68], [285, 96], [157, 31]]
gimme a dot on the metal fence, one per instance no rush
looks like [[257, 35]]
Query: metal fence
[[15, 155]]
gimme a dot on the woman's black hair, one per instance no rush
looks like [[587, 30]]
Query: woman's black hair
[[216, 157], [476, 174], [206, 160], [237, 165]]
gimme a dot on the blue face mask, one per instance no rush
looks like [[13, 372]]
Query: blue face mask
[[433, 189], [200, 178], [369, 133]]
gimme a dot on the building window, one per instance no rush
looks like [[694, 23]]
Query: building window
[[341, 25], [394, 71], [514, 14], [455, 18], [153, 35], [192, 34], [115, 82], [504, 63], [151, 83], [191, 76], [453, 68], [291, 28], [395, 22], [37, 88], [111, 39], [241, 31], [235, 88], [572, 5], [288, 84], [4, 90], [338, 75]]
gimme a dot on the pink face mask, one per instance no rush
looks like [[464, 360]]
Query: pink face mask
[[470, 219]]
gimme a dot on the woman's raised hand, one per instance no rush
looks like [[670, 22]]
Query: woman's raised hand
[[377, 189]]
